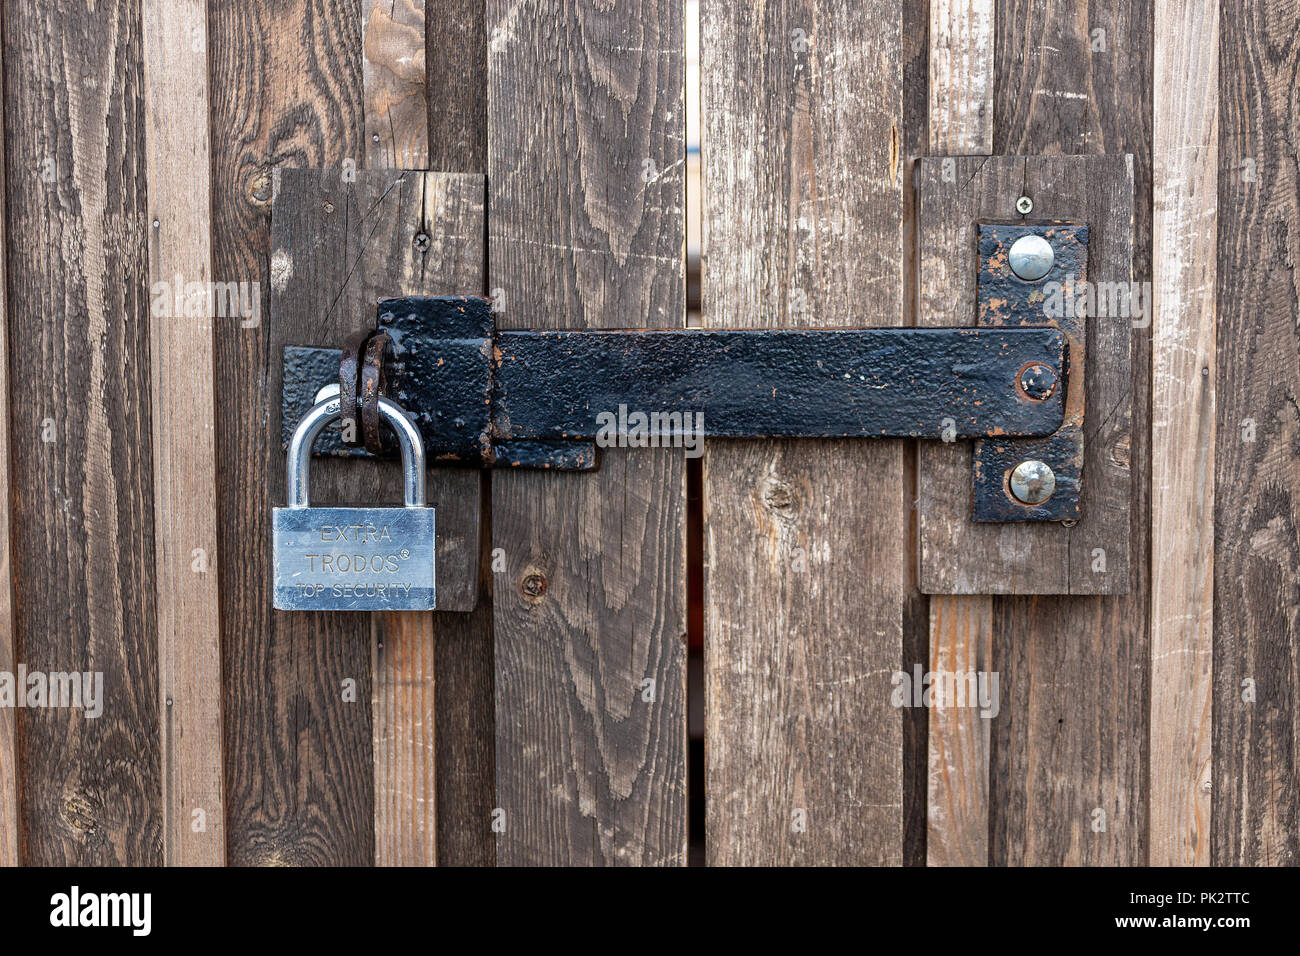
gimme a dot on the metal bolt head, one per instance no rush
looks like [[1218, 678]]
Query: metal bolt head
[[422, 241], [1031, 257], [1024, 205], [1032, 482], [1038, 382]]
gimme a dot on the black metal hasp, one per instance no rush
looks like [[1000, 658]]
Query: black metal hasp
[[1007, 300], [486, 397]]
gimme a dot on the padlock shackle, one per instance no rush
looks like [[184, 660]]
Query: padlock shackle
[[298, 474]]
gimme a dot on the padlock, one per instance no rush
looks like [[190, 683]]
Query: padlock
[[354, 559]]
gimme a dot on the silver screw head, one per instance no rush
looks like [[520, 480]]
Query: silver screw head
[[1031, 257], [1024, 205], [1032, 482]]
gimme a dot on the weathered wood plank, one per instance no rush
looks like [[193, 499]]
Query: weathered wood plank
[[466, 721], [960, 120], [1256, 818], [405, 659], [405, 740], [804, 586], [299, 783], [586, 162], [396, 91], [1185, 188], [961, 642], [406, 653], [466, 737], [961, 77], [457, 80], [1071, 738], [185, 508], [9, 837], [915, 137], [81, 494]]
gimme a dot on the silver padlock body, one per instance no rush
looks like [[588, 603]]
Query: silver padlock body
[[353, 559]]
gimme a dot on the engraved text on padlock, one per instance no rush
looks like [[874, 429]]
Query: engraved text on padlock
[[354, 559]]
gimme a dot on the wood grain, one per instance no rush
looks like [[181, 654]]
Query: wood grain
[[299, 786], [463, 662], [457, 78], [405, 740], [1072, 735], [586, 157], [405, 658], [804, 581], [915, 138], [960, 120], [185, 508], [82, 507], [404, 662], [961, 642], [9, 836], [1184, 234], [394, 76], [1256, 815], [961, 77]]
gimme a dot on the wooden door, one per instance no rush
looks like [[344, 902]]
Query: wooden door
[[672, 660]]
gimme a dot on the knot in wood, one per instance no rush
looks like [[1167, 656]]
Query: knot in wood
[[533, 586]]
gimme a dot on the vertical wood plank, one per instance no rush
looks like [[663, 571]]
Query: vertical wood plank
[[1072, 734], [185, 513], [299, 778], [81, 460], [1185, 189], [961, 627], [961, 77], [1256, 817], [393, 73], [406, 654], [429, 766], [437, 764], [457, 79], [586, 157], [402, 658], [405, 740], [961, 641], [804, 586], [466, 739], [9, 839]]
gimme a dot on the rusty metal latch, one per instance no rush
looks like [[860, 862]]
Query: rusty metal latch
[[488, 397]]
